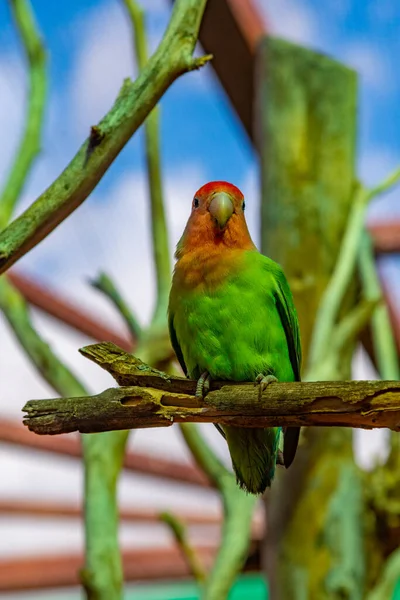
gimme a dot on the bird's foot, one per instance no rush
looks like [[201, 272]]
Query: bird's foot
[[203, 385], [263, 382]]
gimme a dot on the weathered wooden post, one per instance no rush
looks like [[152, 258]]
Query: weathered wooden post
[[306, 129]]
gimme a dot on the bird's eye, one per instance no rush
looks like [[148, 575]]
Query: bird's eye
[[243, 205], [196, 203]]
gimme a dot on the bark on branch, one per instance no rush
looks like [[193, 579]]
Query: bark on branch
[[151, 398]]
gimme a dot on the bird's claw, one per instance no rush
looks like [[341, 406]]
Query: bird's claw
[[263, 381], [203, 385]]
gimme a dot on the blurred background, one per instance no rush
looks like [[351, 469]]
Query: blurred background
[[90, 50]]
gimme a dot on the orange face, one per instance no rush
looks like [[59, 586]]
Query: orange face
[[217, 218]]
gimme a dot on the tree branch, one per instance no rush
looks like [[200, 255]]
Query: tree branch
[[364, 404], [151, 398], [389, 579], [383, 339], [335, 291], [179, 532], [238, 512], [105, 284], [339, 282], [136, 99], [29, 146], [151, 128]]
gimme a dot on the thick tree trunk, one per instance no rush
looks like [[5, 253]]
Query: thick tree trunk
[[307, 131]]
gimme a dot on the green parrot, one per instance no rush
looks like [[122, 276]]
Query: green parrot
[[231, 317]]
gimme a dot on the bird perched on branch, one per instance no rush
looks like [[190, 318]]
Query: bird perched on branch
[[231, 316]]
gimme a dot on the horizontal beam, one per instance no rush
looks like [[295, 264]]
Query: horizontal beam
[[231, 31], [385, 235], [49, 571], [138, 462], [151, 398], [57, 306], [61, 510]]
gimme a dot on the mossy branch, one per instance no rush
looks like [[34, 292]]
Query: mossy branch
[[238, 511], [136, 99], [29, 146], [382, 334], [105, 284], [335, 291], [151, 398], [153, 159], [179, 532], [388, 582]]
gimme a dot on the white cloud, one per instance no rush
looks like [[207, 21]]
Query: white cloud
[[106, 56], [291, 19], [12, 101], [104, 59]]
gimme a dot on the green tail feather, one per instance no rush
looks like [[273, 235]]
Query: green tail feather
[[253, 453]]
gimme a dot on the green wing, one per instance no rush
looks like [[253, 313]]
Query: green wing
[[290, 322], [175, 343], [179, 355]]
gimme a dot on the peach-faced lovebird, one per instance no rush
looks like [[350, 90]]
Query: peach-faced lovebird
[[231, 316]]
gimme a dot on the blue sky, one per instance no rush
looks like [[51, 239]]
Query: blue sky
[[198, 125]]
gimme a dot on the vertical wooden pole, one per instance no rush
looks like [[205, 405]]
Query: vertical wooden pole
[[306, 130]]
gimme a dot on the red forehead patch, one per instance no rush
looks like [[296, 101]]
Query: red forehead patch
[[219, 186]]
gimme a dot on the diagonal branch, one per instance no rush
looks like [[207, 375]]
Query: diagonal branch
[[383, 338], [151, 129], [105, 284], [238, 511], [179, 532], [335, 291], [136, 99], [29, 146]]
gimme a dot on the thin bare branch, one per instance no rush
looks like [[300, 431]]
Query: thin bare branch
[[29, 146], [338, 285], [105, 284], [153, 158], [179, 532], [383, 338]]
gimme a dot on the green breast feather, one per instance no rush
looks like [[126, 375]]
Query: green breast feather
[[245, 326]]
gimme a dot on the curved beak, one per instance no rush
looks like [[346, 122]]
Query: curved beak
[[221, 209]]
